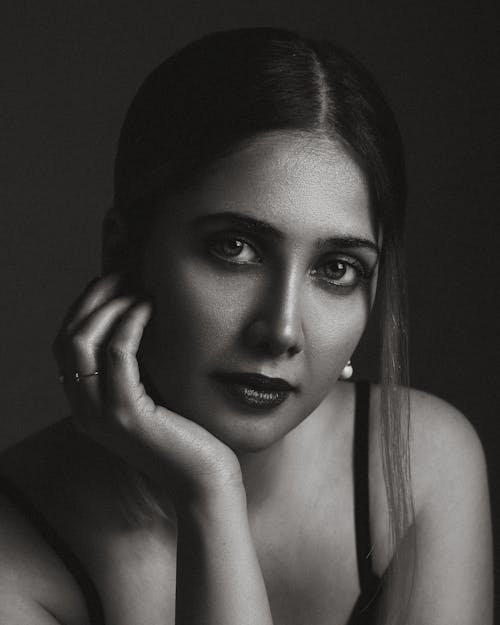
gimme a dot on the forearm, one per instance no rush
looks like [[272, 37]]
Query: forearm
[[219, 580]]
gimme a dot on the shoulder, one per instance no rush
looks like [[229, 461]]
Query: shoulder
[[445, 449], [447, 455], [452, 514], [35, 584], [35, 587], [434, 417]]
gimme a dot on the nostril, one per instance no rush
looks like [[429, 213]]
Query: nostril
[[294, 349], [274, 338], [277, 327]]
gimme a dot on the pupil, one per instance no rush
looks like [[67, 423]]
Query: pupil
[[338, 269], [233, 245]]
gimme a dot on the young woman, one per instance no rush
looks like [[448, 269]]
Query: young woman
[[216, 467]]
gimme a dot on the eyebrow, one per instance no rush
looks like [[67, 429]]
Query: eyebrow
[[253, 225]]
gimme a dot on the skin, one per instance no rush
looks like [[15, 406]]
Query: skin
[[233, 477], [267, 306]]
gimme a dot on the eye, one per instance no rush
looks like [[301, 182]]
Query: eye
[[341, 272], [233, 249]]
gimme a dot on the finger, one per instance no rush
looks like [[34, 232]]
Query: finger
[[83, 350], [98, 294], [74, 350], [84, 396], [75, 304], [84, 354], [94, 331], [123, 385], [100, 288]]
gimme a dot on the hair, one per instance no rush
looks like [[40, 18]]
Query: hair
[[229, 87]]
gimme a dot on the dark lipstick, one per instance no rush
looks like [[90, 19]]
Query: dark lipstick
[[254, 390]]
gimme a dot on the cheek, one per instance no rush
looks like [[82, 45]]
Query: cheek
[[196, 312], [334, 330], [199, 315]]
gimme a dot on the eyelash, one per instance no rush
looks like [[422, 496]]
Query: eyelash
[[362, 272]]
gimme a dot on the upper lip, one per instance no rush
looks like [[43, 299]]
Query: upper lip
[[257, 380]]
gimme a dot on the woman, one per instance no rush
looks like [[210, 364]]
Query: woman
[[216, 467]]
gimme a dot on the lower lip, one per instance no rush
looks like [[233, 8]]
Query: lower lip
[[251, 397]]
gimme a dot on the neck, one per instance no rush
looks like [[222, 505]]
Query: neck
[[271, 473], [262, 472]]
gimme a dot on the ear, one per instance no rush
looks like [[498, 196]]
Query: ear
[[114, 243]]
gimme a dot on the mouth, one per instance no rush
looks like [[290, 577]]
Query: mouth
[[254, 390]]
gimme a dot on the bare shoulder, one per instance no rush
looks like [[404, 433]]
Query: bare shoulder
[[42, 478], [447, 455], [437, 420], [77, 487], [446, 451], [35, 586], [452, 516]]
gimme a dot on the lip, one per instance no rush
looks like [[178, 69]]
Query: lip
[[257, 381], [251, 397]]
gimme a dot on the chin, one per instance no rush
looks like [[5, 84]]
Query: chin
[[254, 444], [240, 428], [249, 435]]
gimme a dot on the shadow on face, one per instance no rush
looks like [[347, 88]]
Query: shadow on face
[[268, 265]]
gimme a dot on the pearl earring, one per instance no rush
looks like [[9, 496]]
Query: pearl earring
[[347, 371]]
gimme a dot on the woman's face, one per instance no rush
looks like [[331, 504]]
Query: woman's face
[[267, 265]]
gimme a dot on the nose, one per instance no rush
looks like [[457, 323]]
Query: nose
[[276, 328]]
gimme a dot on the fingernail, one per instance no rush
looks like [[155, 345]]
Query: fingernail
[[114, 278]]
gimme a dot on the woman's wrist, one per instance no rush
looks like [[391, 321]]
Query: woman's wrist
[[217, 504], [219, 579]]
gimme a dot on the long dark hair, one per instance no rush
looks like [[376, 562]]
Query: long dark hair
[[224, 89]]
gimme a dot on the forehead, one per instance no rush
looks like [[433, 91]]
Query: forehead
[[298, 182]]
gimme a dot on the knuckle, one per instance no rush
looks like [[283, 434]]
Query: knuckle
[[116, 352], [79, 342]]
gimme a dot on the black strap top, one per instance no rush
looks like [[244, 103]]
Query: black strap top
[[370, 584], [363, 611]]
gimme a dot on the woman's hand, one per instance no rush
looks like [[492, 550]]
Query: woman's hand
[[102, 331]]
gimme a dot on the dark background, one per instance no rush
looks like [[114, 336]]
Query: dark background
[[69, 70]]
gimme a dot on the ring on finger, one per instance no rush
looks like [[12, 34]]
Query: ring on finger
[[76, 376]]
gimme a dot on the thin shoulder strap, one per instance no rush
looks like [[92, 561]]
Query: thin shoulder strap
[[67, 555], [361, 487]]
